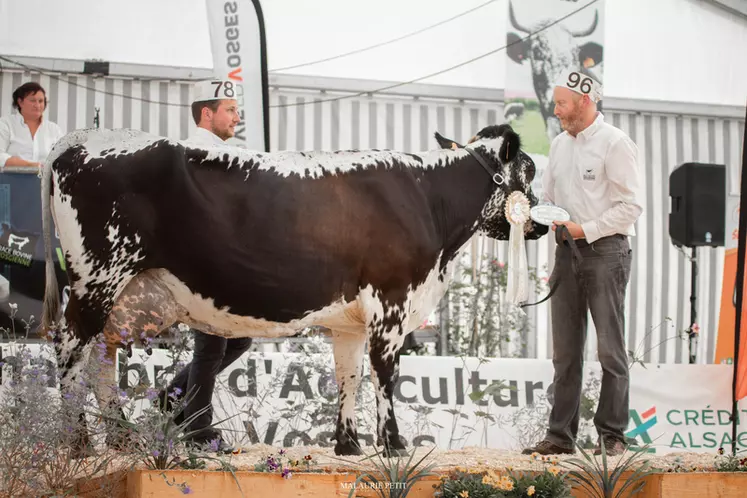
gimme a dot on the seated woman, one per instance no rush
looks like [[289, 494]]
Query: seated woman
[[26, 137]]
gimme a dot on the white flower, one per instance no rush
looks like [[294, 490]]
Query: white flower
[[13, 306], [183, 327]]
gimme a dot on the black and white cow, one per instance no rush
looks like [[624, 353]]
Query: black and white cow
[[238, 243], [550, 52]]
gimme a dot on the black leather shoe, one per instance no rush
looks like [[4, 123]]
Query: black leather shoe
[[612, 447], [546, 447]]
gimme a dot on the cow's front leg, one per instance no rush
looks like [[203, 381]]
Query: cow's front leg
[[386, 339], [348, 349]]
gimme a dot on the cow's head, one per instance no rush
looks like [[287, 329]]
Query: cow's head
[[500, 146], [550, 52]]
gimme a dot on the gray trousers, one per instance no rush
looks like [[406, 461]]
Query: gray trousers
[[597, 284]]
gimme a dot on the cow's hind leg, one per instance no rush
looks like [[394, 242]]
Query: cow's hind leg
[[144, 309], [386, 338], [72, 350], [348, 349]]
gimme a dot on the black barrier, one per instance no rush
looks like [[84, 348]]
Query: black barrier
[[22, 251]]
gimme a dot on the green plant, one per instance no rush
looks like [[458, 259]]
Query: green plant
[[640, 355], [479, 319], [730, 463], [284, 465], [465, 484], [392, 476], [193, 462], [37, 440], [601, 480], [549, 483]]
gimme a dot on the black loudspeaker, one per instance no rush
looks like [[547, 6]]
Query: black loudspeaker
[[698, 213]]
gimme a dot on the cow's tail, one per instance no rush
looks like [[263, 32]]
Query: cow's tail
[[51, 306]]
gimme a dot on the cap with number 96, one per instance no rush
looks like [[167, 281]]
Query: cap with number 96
[[579, 82], [214, 90]]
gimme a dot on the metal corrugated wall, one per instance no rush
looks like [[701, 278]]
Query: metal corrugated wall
[[370, 122], [660, 280], [122, 103]]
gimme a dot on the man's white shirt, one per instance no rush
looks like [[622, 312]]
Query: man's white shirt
[[596, 177], [205, 137], [16, 139]]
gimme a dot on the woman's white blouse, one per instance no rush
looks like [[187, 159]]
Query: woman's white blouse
[[15, 139]]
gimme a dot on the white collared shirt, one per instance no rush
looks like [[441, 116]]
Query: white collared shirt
[[596, 177], [205, 137], [16, 140]]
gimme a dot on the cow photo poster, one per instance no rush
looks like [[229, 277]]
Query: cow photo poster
[[534, 63]]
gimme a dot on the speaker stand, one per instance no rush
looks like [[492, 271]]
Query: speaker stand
[[692, 334]]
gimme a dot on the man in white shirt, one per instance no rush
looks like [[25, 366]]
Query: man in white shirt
[[593, 174], [215, 111], [26, 137]]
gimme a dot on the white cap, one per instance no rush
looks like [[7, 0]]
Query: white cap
[[578, 82], [214, 90]]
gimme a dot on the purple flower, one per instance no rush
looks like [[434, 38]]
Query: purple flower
[[186, 490], [151, 394], [215, 445], [281, 452], [175, 393], [156, 453], [286, 473]]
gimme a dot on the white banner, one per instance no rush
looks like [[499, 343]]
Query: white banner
[[239, 54], [291, 399]]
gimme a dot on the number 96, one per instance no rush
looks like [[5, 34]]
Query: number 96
[[584, 84]]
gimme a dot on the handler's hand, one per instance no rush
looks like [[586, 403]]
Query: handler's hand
[[577, 232]]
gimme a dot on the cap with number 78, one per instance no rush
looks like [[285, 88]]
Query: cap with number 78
[[214, 90]]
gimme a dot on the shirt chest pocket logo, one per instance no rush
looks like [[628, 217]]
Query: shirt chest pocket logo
[[592, 168]]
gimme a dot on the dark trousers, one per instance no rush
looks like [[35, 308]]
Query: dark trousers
[[212, 354], [597, 284]]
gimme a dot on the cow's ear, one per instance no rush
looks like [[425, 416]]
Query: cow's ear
[[517, 49], [590, 54], [511, 145], [445, 143]]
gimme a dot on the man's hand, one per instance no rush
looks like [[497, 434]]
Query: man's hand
[[574, 228]]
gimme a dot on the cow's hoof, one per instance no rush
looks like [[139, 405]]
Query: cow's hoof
[[389, 452], [81, 452], [120, 440], [349, 448], [393, 446]]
